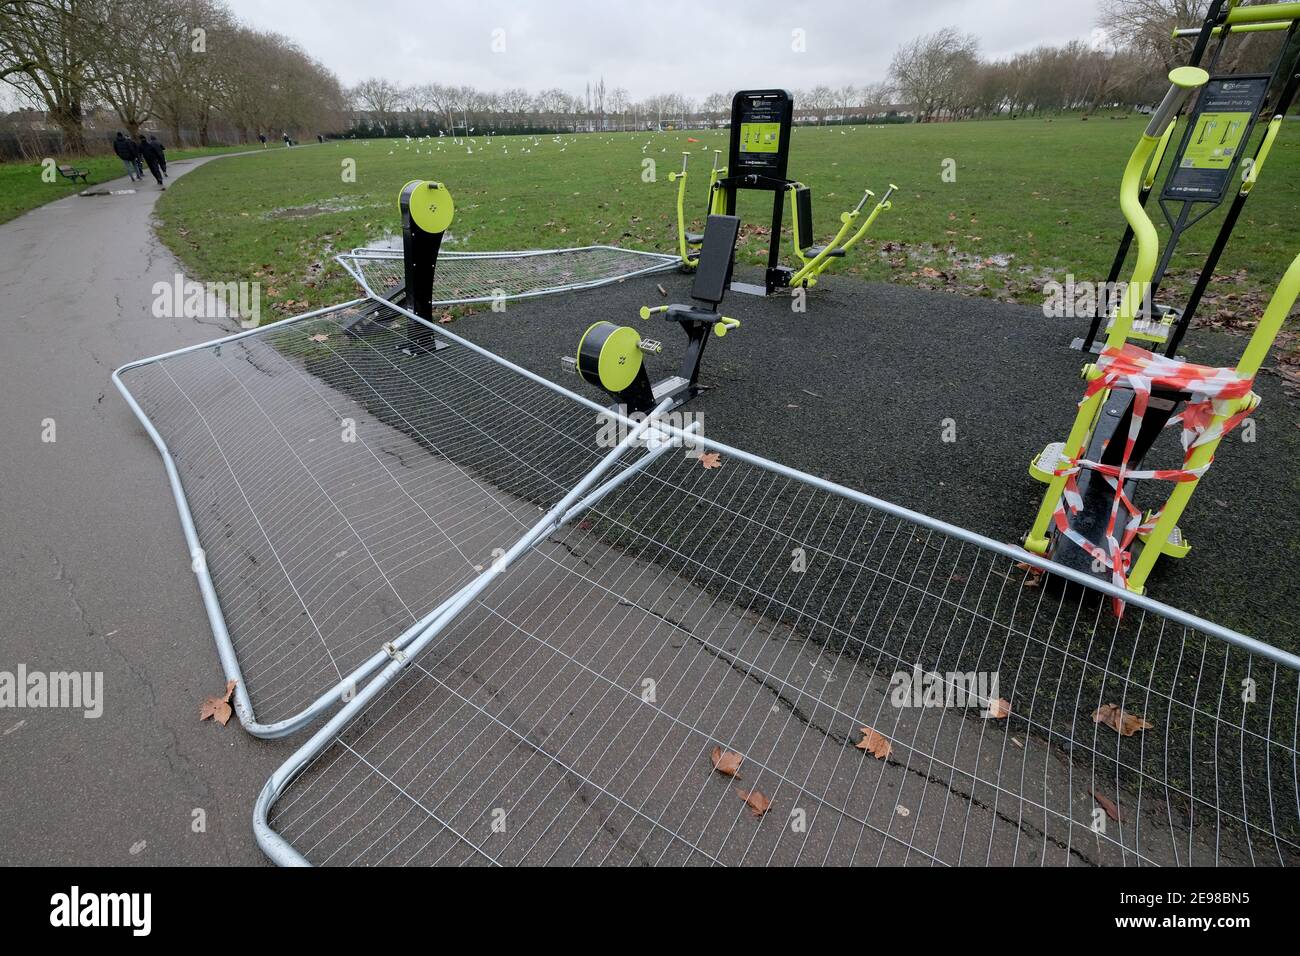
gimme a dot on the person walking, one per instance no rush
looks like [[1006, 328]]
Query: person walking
[[125, 150], [153, 157], [262, 139], [162, 151]]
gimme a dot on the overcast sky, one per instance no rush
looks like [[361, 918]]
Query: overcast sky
[[647, 47]]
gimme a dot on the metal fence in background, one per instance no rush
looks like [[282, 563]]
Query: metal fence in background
[[465, 277]]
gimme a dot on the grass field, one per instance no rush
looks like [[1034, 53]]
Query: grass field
[[1031, 200], [21, 186]]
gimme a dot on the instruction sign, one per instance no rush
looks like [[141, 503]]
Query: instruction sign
[[760, 133], [1217, 133]]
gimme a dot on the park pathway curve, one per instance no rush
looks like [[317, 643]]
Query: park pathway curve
[[94, 574]]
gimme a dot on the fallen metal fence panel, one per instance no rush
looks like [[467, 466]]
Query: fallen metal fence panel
[[464, 277], [335, 487], [565, 705]]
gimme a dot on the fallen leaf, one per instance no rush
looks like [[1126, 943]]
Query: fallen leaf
[[711, 459], [218, 706], [1108, 805], [999, 708], [446, 319], [758, 804], [727, 762], [1120, 721], [874, 744], [1033, 575], [320, 337]]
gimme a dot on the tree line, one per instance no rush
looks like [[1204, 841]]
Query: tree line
[[186, 66], [381, 107], [937, 76], [1124, 64]]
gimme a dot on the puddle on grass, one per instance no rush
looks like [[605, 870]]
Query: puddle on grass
[[393, 243], [338, 204]]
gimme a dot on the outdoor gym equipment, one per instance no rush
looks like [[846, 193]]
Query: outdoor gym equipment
[[1088, 518], [1208, 157], [758, 158], [609, 355], [815, 259], [688, 243]]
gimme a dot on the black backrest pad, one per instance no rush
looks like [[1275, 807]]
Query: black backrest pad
[[803, 209], [713, 274]]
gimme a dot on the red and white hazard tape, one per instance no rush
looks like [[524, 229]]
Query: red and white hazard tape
[[1212, 392]]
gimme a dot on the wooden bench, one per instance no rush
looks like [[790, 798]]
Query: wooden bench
[[72, 174]]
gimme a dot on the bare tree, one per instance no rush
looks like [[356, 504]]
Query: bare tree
[[927, 70], [45, 46], [378, 97]]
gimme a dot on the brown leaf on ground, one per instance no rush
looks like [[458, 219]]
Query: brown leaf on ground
[[711, 459], [758, 804], [875, 744], [1120, 721], [446, 319], [1033, 575], [727, 762], [999, 708], [218, 706], [320, 337], [1108, 805]]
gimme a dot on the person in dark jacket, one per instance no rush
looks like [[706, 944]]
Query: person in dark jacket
[[162, 151], [126, 152], [149, 153], [261, 138]]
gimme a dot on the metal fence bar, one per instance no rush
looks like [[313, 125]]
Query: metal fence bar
[[377, 271]]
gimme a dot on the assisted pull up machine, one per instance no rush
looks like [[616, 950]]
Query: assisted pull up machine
[[1090, 518], [610, 356], [1209, 158]]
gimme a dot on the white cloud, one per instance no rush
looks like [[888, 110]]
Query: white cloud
[[647, 47]]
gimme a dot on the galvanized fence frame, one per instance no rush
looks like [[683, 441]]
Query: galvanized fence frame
[[381, 669], [402, 652], [352, 262]]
